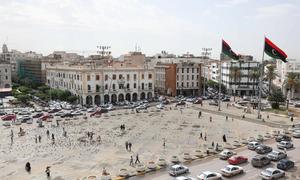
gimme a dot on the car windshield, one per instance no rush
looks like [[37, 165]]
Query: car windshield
[[227, 168], [269, 172]]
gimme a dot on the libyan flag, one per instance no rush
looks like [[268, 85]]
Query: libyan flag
[[273, 51], [226, 49]]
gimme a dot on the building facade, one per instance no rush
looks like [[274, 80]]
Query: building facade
[[244, 84], [113, 82]]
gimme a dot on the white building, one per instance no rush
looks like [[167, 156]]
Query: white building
[[245, 84], [282, 70], [98, 84]]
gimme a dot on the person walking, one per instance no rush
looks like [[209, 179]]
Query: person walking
[[40, 138], [137, 160], [224, 138], [48, 133], [199, 114], [131, 161], [28, 167], [11, 136], [210, 119], [212, 144], [126, 145], [201, 135], [129, 146], [164, 143], [205, 138], [36, 139], [47, 171], [226, 118]]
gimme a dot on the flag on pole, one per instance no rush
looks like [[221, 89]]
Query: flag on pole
[[226, 49], [273, 51]]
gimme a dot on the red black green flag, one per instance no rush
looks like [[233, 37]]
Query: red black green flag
[[273, 51], [226, 49]]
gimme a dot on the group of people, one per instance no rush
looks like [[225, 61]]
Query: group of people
[[128, 145], [122, 127], [28, 169], [137, 160]]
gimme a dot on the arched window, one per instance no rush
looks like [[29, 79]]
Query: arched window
[[128, 86]]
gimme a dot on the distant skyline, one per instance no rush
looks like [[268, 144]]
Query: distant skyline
[[175, 26]]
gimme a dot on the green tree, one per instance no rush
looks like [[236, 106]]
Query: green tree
[[292, 82], [235, 75], [23, 98], [270, 75], [276, 98], [254, 76], [72, 99]]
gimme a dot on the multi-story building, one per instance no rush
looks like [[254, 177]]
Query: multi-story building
[[5, 78], [244, 84], [112, 82], [30, 68], [282, 70]]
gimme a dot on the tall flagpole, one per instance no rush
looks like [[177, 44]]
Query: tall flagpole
[[260, 81]]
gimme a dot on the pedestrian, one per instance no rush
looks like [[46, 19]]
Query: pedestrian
[[212, 144], [224, 138], [210, 119], [131, 161], [199, 114], [11, 136], [137, 159], [57, 123], [48, 133], [40, 138], [28, 167], [205, 138], [121, 127], [36, 140], [226, 118], [201, 135], [48, 171], [207, 152], [129, 146], [126, 145], [232, 119], [88, 134], [292, 119], [164, 143], [268, 117], [217, 147]]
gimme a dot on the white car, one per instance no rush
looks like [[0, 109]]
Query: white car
[[296, 134], [207, 175], [272, 173], [160, 106], [276, 155], [225, 154], [178, 169], [231, 170], [253, 145]]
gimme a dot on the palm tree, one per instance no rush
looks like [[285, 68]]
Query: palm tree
[[236, 75], [292, 82], [270, 75], [254, 76]]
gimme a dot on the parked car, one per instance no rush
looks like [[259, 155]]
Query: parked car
[[272, 173], [2, 113], [285, 164], [226, 99], [235, 160], [198, 101], [213, 103], [180, 103], [207, 175], [285, 144], [260, 161], [54, 110], [77, 113], [282, 137], [225, 154], [253, 144], [231, 170], [263, 149], [9, 117], [38, 115], [67, 115], [178, 169], [46, 117], [296, 134], [160, 106], [98, 112], [276, 155]]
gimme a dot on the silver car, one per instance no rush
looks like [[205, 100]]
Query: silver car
[[285, 144], [296, 134], [253, 145], [276, 155], [231, 170], [177, 169], [272, 173]]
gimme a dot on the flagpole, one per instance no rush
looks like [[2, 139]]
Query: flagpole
[[260, 81]]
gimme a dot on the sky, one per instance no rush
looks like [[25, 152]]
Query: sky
[[176, 26]]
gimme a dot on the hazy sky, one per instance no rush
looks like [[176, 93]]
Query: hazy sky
[[176, 26]]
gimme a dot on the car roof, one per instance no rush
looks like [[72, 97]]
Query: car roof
[[271, 169], [207, 172], [230, 166], [177, 166]]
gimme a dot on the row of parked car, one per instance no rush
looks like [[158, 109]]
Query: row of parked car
[[265, 155]]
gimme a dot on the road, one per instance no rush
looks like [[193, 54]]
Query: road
[[216, 164]]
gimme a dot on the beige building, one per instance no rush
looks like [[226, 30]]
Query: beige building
[[111, 82]]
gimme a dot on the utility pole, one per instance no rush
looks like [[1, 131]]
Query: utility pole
[[206, 52]]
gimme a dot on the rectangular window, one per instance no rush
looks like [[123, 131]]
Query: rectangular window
[[134, 76], [182, 84], [177, 70], [128, 77], [197, 77], [88, 77], [187, 70], [6, 70], [177, 84], [182, 77], [197, 84], [97, 77], [192, 77], [150, 85], [120, 76], [192, 84], [187, 77], [143, 76], [197, 70], [187, 84], [192, 70], [149, 76], [114, 77], [182, 70]]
